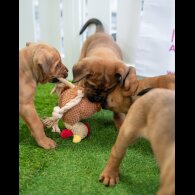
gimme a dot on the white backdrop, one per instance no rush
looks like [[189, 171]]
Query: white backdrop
[[150, 46], [156, 47]]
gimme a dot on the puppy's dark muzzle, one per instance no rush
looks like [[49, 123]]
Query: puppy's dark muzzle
[[104, 105], [55, 80], [98, 99]]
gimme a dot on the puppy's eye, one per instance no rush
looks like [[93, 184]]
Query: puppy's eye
[[58, 66]]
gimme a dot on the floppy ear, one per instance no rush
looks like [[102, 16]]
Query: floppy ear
[[42, 62], [121, 73], [131, 78], [44, 67], [130, 83], [80, 71]]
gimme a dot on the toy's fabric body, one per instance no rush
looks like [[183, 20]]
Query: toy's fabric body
[[84, 109], [72, 117]]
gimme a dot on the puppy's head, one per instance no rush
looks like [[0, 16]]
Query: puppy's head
[[130, 83], [122, 97], [118, 101], [48, 62], [99, 76]]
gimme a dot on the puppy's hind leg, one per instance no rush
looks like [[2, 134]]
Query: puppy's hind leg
[[29, 115]]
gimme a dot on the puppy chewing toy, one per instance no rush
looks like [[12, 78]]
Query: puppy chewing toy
[[73, 107]]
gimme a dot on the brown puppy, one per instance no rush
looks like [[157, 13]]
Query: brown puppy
[[100, 65], [38, 63], [132, 85], [120, 99], [152, 116]]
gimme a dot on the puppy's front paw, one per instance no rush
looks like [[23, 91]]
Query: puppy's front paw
[[109, 177], [46, 143]]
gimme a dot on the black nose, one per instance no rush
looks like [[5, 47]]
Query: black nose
[[66, 74], [104, 104], [54, 80], [95, 98]]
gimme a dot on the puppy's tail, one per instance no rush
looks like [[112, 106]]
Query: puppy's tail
[[98, 23]]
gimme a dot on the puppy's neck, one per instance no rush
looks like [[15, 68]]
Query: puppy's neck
[[129, 100], [32, 71], [150, 82]]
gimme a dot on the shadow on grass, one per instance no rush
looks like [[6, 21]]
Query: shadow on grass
[[143, 186]]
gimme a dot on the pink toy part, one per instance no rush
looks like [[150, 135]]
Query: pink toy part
[[66, 133]]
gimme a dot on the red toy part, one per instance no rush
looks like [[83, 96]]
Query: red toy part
[[66, 133], [88, 127]]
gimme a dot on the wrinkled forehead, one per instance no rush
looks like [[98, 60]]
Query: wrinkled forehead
[[49, 50], [103, 80], [56, 52], [53, 55]]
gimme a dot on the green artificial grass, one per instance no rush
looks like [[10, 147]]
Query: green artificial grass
[[75, 168]]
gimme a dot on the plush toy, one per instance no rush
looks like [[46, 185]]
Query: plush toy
[[73, 107], [66, 133]]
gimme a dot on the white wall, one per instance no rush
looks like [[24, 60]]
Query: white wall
[[71, 32], [128, 23], [154, 55], [26, 27], [100, 9], [75, 14], [49, 22]]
